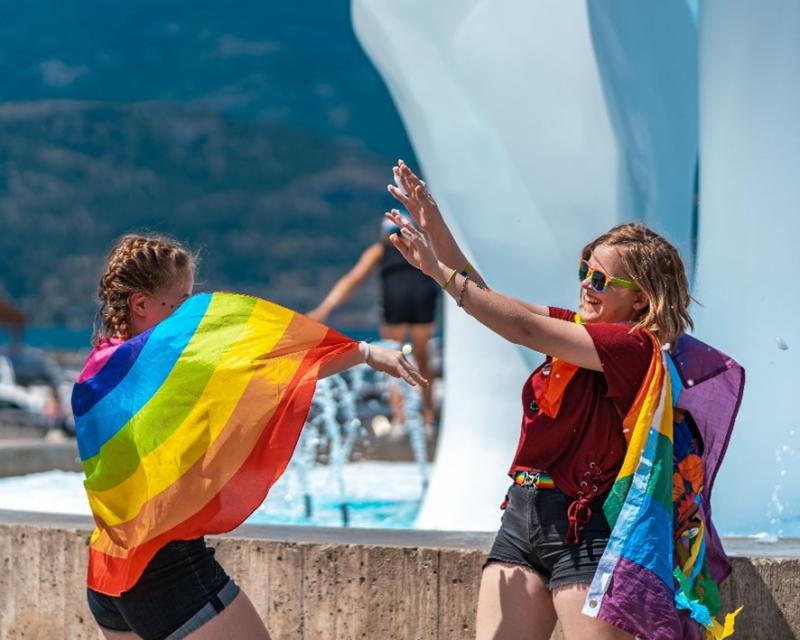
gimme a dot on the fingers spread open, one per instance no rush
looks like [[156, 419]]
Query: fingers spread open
[[398, 195], [399, 182], [412, 372], [411, 234], [407, 179], [401, 245]]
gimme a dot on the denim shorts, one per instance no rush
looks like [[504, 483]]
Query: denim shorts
[[533, 534], [181, 589]]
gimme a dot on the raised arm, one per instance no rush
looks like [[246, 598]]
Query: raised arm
[[379, 358], [348, 283], [502, 314], [414, 195]]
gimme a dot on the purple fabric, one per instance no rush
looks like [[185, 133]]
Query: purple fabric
[[639, 595], [713, 387]]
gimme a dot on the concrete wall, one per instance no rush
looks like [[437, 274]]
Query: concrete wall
[[335, 585]]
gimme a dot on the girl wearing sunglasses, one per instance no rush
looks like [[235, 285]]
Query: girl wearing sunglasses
[[571, 447]]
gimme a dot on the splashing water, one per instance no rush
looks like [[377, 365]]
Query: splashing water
[[779, 503], [342, 404]]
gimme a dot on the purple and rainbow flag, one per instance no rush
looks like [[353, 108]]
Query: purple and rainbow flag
[[658, 577], [183, 429]]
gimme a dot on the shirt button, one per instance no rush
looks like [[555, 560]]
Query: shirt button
[[533, 406]]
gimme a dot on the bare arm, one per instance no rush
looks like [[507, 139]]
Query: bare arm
[[520, 325], [413, 194], [529, 307], [379, 358], [349, 283], [502, 314]]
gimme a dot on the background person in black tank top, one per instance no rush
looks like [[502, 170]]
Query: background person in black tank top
[[408, 301]]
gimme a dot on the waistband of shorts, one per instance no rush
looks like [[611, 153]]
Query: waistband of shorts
[[538, 479]]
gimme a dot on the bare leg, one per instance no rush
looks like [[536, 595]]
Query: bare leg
[[513, 604], [238, 621], [420, 337], [397, 333], [568, 601]]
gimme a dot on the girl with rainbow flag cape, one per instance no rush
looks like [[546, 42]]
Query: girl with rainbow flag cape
[[187, 411], [607, 525]]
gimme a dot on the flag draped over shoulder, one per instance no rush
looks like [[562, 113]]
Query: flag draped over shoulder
[[664, 555], [183, 429]]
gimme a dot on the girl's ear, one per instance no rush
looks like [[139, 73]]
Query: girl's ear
[[640, 301], [138, 305]]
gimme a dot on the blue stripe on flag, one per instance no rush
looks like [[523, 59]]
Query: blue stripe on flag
[[649, 540], [89, 392], [154, 364]]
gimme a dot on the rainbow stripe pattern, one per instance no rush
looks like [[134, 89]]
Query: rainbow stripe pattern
[[183, 429], [658, 576], [539, 479]]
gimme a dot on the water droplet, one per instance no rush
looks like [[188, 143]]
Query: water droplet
[[783, 472], [407, 349], [690, 383], [781, 343]]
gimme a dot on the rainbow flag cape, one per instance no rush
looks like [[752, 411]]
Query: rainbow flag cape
[[658, 577], [183, 429]]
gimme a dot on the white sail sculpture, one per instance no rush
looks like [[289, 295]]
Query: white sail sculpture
[[748, 244], [540, 124]]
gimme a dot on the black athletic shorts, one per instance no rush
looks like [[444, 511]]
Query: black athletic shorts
[[408, 297], [181, 589]]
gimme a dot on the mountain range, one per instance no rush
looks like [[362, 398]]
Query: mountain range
[[258, 133]]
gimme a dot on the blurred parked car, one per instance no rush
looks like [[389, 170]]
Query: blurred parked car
[[34, 394]]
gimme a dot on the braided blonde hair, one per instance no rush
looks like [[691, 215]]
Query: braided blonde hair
[[656, 266], [136, 263]]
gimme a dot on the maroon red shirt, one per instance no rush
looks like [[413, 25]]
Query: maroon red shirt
[[585, 443]]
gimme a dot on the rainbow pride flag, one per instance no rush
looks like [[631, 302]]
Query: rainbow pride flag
[[183, 429], [658, 577]]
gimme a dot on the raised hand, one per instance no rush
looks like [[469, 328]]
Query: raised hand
[[395, 364], [415, 246], [412, 193]]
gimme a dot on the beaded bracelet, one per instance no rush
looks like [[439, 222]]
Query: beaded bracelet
[[460, 302]]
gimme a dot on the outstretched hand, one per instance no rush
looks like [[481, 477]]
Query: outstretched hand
[[414, 245], [412, 193], [395, 364]]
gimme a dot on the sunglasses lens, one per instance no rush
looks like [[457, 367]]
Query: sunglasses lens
[[583, 270], [598, 281]]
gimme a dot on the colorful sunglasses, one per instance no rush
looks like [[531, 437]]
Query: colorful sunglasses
[[600, 280]]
